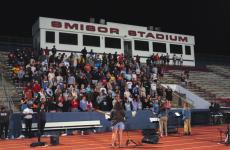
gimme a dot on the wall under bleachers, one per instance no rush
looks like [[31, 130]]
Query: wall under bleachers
[[140, 121]]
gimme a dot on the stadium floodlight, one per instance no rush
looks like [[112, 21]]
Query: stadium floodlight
[[102, 21], [157, 28], [151, 28], [92, 20]]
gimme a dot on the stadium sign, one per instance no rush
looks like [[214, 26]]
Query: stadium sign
[[116, 31]]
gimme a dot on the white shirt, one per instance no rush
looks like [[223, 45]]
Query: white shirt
[[51, 75], [153, 86], [129, 84], [28, 113], [134, 76]]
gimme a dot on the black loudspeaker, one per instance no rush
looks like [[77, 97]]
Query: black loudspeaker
[[150, 136], [54, 140], [151, 139], [147, 132]]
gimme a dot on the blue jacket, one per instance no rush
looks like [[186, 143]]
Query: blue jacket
[[163, 112], [156, 108], [186, 114]]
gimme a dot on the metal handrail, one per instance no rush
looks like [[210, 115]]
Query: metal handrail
[[7, 96], [191, 103]]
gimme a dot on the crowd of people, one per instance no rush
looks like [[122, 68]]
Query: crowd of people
[[88, 81]]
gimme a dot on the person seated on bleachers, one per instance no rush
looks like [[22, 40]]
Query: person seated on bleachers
[[128, 104], [186, 73], [183, 79]]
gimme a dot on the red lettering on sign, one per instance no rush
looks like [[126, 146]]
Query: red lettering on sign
[[172, 37], [90, 28], [159, 36], [166, 37], [141, 33], [81, 26], [150, 35], [69, 26], [56, 24], [182, 39], [132, 33], [102, 29], [114, 30]]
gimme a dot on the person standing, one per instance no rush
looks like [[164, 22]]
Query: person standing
[[163, 115], [41, 118], [181, 60], [28, 115], [84, 53], [117, 121], [4, 122], [54, 50], [169, 95], [186, 112]]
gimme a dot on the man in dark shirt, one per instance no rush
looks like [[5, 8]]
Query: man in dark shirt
[[4, 122], [41, 118], [54, 50], [168, 92], [211, 110], [84, 53], [160, 91]]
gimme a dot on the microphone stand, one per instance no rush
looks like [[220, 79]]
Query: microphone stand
[[129, 140], [38, 143]]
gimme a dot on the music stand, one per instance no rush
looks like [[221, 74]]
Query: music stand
[[177, 115]]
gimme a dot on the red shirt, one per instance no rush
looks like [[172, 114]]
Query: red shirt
[[74, 104], [28, 94], [36, 87]]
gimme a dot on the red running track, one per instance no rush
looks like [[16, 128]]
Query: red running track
[[202, 138]]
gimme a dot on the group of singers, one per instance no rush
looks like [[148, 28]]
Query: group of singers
[[160, 109]]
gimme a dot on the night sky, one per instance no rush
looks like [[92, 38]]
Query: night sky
[[208, 21]]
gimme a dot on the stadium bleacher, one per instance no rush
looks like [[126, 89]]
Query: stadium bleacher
[[208, 84]]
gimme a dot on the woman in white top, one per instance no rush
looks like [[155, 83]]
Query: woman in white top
[[28, 115]]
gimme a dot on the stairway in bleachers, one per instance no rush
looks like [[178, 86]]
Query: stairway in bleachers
[[220, 70], [208, 85], [13, 91]]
